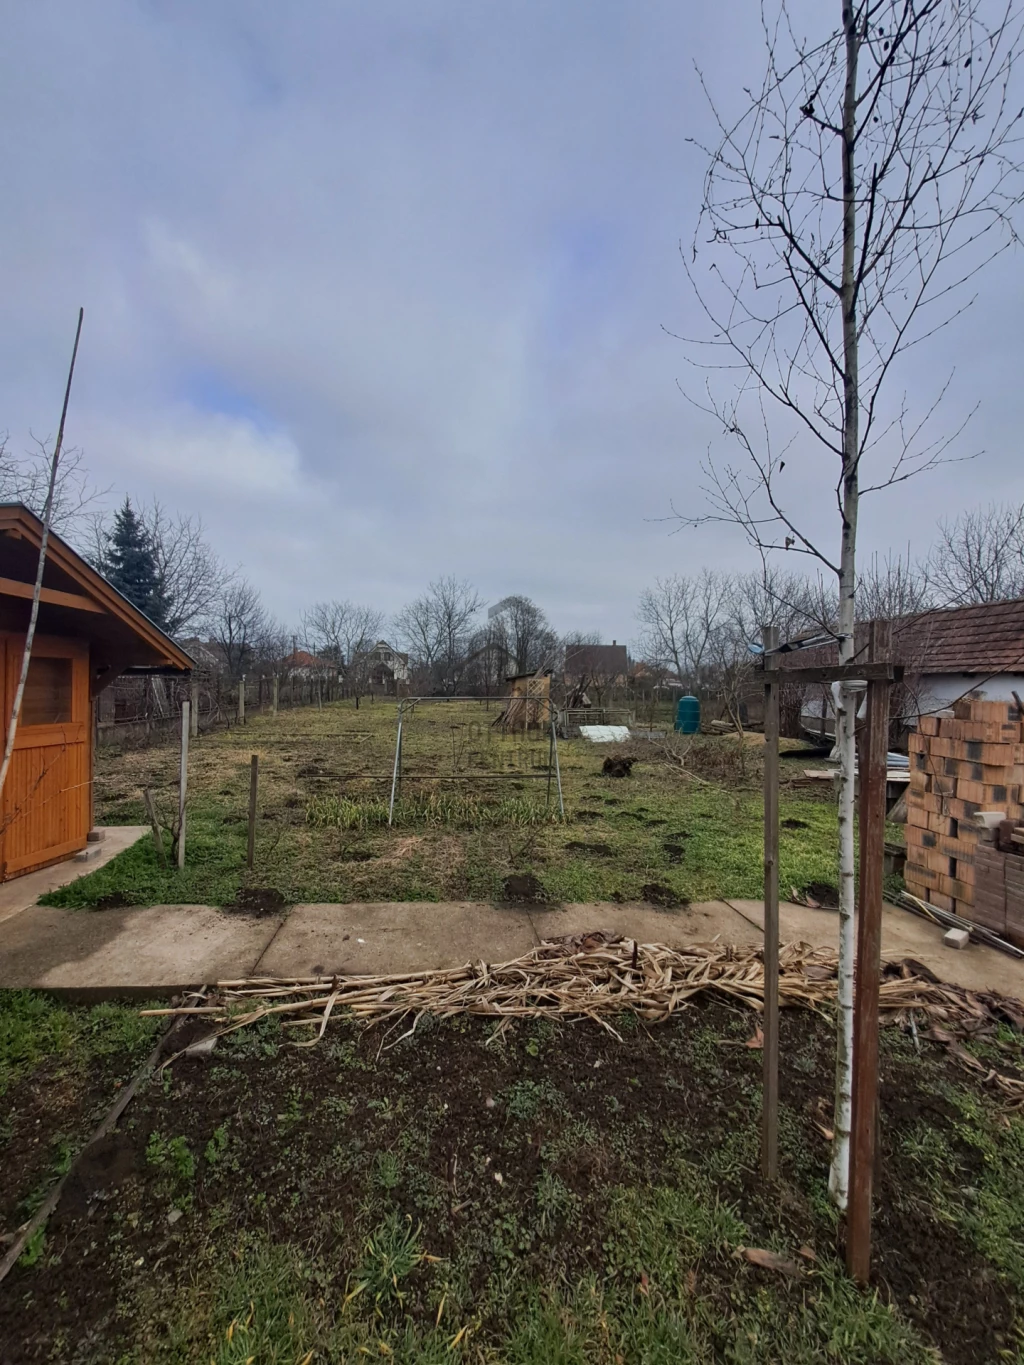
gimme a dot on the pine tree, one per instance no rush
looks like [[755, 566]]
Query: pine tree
[[130, 565]]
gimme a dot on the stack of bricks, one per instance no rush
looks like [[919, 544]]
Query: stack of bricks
[[962, 761]]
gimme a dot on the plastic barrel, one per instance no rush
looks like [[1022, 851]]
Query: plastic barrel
[[688, 715]]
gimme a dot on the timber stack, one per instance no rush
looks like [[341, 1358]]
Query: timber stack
[[965, 813]]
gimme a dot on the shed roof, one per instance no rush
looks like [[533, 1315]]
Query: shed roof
[[986, 639], [78, 602]]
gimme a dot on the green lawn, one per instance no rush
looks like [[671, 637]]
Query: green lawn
[[687, 839]]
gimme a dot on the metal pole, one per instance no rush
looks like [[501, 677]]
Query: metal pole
[[254, 770], [394, 773], [183, 781], [770, 1057], [558, 770], [871, 769], [277, 693]]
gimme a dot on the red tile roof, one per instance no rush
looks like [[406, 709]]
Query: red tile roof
[[985, 639]]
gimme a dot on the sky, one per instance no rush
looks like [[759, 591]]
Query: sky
[[387, 292]]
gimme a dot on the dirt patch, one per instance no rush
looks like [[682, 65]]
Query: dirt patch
[[113, 900], [355, 855], [257, 901], [103, 1165], [826, 897], [585, 815], [659, 894], [793, 824], [600, 850], [617, 767], [523, 888], [675, 847]]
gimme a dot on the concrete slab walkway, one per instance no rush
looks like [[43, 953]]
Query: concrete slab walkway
[[163, 949], [19, 894]]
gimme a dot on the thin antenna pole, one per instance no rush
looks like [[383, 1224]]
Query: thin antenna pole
[[12, 727]]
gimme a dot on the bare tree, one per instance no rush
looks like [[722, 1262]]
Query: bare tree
[[344, 633], [521, 631], [979, 556], [437, 628], [679, 618], [871, 174], [26, 479], [241, 626]]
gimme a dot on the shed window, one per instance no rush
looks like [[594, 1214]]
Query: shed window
[[47, 699]]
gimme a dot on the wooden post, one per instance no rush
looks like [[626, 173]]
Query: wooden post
[[241, 700], [161, 856], [770, 1057], [254, 770], [183, 782], [277, 694], [194, 707], [871, 771]]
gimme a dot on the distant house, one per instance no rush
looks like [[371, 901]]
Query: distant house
[[604, 664], [388, 667], [945, 653], [301, 664]]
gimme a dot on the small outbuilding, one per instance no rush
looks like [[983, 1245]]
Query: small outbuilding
[[87, 635]]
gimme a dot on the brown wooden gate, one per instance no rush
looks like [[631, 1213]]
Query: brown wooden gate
[[46, 810]]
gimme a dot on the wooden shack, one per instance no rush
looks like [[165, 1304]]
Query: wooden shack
[[529, 702], [87, 635]]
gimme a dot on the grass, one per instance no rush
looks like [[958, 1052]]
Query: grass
[[322, 832]]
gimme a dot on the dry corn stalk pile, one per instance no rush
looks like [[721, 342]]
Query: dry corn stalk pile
[[596, 976]]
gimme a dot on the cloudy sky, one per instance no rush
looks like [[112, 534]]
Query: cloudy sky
[[382, 290]]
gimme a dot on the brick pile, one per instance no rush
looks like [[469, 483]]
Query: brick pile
[[963, 761]]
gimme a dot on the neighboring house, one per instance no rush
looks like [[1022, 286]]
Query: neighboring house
[[301, 664], [87, 636], [607, 664], [207, 655], [946, 654], [388, 667]]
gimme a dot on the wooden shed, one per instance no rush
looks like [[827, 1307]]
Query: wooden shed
[[86, 636], [529, 702]]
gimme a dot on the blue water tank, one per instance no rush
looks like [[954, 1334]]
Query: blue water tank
[[688, 715]]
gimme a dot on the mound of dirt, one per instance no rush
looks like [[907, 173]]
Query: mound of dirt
[[793, 824], [821, 896], [104, 1164], [617, 767], [523, 888], [257, 901], [113, 900], [658, 894], [579, 846]]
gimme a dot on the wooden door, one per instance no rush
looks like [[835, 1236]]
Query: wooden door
[[47, 802]]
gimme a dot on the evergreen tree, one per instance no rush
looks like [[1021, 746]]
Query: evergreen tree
[[130, 565]]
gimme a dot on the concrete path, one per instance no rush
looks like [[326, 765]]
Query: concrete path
[[162, 949], [22, 892]]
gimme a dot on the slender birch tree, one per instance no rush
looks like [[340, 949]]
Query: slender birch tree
[[865, 182]]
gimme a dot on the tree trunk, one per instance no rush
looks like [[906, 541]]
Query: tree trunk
[[846, 701]]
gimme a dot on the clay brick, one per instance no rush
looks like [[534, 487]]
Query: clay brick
[[926, 725], [965, 872], [945, 785], [940, 900], [971, 792], [949, 728], [983, 731], [944, 748], [938, 824], [917, 875], [960, 809], [917, 742], [953, 848], [914, 836], [991, 710], [992, 755], [959, 890]]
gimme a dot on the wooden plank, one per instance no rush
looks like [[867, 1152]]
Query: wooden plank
[[838, 673], [13, 587], [770, 1057], [254, 777], [868, 976], [183, 782]]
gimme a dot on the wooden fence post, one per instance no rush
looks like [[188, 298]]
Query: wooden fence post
[[194, 707], [770, 1028], [276, 694], [871, 766], [254, 769], [183, 782], [241, 700]]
